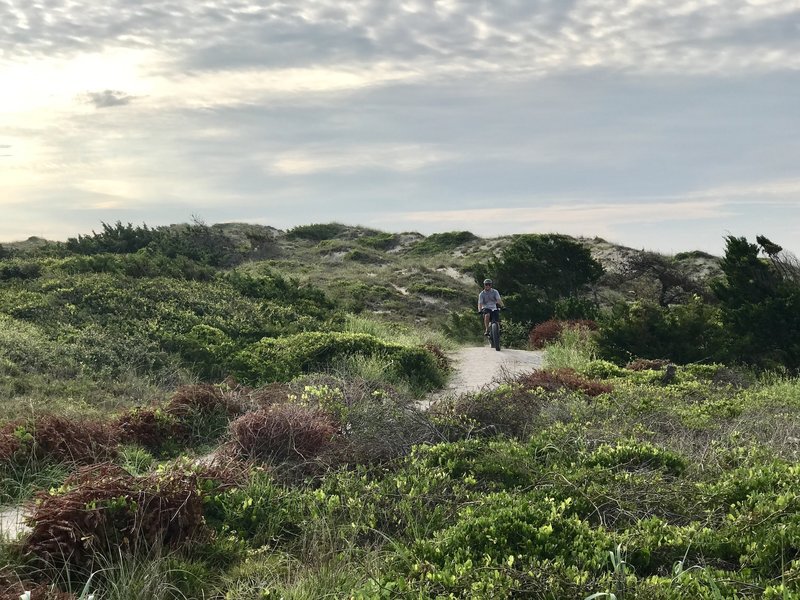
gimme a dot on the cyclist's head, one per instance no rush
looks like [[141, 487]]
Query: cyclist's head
[[487, 282]]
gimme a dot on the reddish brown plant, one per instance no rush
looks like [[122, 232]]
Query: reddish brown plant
[[549, 331], [564, 379], [283, 431]]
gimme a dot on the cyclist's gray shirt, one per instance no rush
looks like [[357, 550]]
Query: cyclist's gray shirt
[[489, 299]]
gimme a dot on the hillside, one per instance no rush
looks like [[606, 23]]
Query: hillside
[[409, 275], [236, 411]]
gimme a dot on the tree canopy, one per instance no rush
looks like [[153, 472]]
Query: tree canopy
[[536, 272]]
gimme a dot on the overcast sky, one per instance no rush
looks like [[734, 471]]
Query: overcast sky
[[658, 124]]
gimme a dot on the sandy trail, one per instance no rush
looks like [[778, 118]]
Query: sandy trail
[[478, 367], [473, 369], [11, 525]]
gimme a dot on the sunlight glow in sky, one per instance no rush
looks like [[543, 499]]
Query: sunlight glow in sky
[[665, 124]]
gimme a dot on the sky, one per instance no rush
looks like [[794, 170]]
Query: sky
[[664, 125]]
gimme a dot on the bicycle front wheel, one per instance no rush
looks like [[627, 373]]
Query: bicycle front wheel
[[494, 334]]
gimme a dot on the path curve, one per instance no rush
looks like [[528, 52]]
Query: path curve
[[477, 367]]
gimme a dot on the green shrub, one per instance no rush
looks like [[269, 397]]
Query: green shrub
[[509, 409], [316, 232], [380, 241], [261, 511], [20, 270], [636, 455], [362, 256], [601, 369], [442, 242], [284, 358], [683, 333]]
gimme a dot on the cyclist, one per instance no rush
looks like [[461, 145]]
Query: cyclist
[[488, 300]]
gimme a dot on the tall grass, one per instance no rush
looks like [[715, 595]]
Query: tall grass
[[406, 335], [575, 348]]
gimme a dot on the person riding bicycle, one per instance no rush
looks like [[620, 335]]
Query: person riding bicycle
[[488, 300]]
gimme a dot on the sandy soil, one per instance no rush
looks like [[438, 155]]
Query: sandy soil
[[11, 525], [473, 369], [478, 367]]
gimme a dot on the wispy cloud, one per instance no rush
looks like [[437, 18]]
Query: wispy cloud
[[641, 117], [571, 215], [543, 35]]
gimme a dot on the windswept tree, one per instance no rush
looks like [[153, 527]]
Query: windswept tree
[[760, 300], [537, 272], [675, 284]]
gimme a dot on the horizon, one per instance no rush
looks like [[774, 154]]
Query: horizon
[[399, 232], [665, 125]]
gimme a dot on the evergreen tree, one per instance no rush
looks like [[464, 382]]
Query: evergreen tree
[[760, 307], [536, 272]]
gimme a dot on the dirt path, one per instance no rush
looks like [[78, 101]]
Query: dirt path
[[477, 367], [11, 525]]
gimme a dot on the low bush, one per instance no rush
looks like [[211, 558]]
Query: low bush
[[204, 410], [648, 364], [550, 331], [380, 241], [153, 428], [602, 369], [507, 410], [20, 270], [563, 379], [284, 358], [442, 242], [636, 455], [316, 232], [58, 439], [283, 432], [103, 510]]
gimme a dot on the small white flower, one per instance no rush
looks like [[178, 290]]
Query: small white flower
[[25, 596]]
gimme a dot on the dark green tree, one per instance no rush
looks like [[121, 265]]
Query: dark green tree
[[114, 239], [683, 333], [760, 302], [536, 272]]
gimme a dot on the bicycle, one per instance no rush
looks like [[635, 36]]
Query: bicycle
[[494, 327]]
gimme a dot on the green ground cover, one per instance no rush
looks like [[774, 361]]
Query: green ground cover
[[242, 421]]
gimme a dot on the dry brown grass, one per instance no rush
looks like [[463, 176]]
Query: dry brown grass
[[283, 432], [563, 379], [58, 438], [103, 509]]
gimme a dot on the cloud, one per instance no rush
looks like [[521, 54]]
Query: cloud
[[540, 36], [566, 215], [109, 98]]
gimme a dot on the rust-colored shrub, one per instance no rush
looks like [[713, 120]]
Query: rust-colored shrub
[[57, 438], [104, 508], [203, 399], [647, 364], [549, 331], [283, 431], [151, 427], [269, 394], [563, 379]]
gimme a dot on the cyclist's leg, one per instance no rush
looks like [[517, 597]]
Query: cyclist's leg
[[486, 317]]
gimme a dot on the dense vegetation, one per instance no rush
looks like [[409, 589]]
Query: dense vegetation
[[232, 412]]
